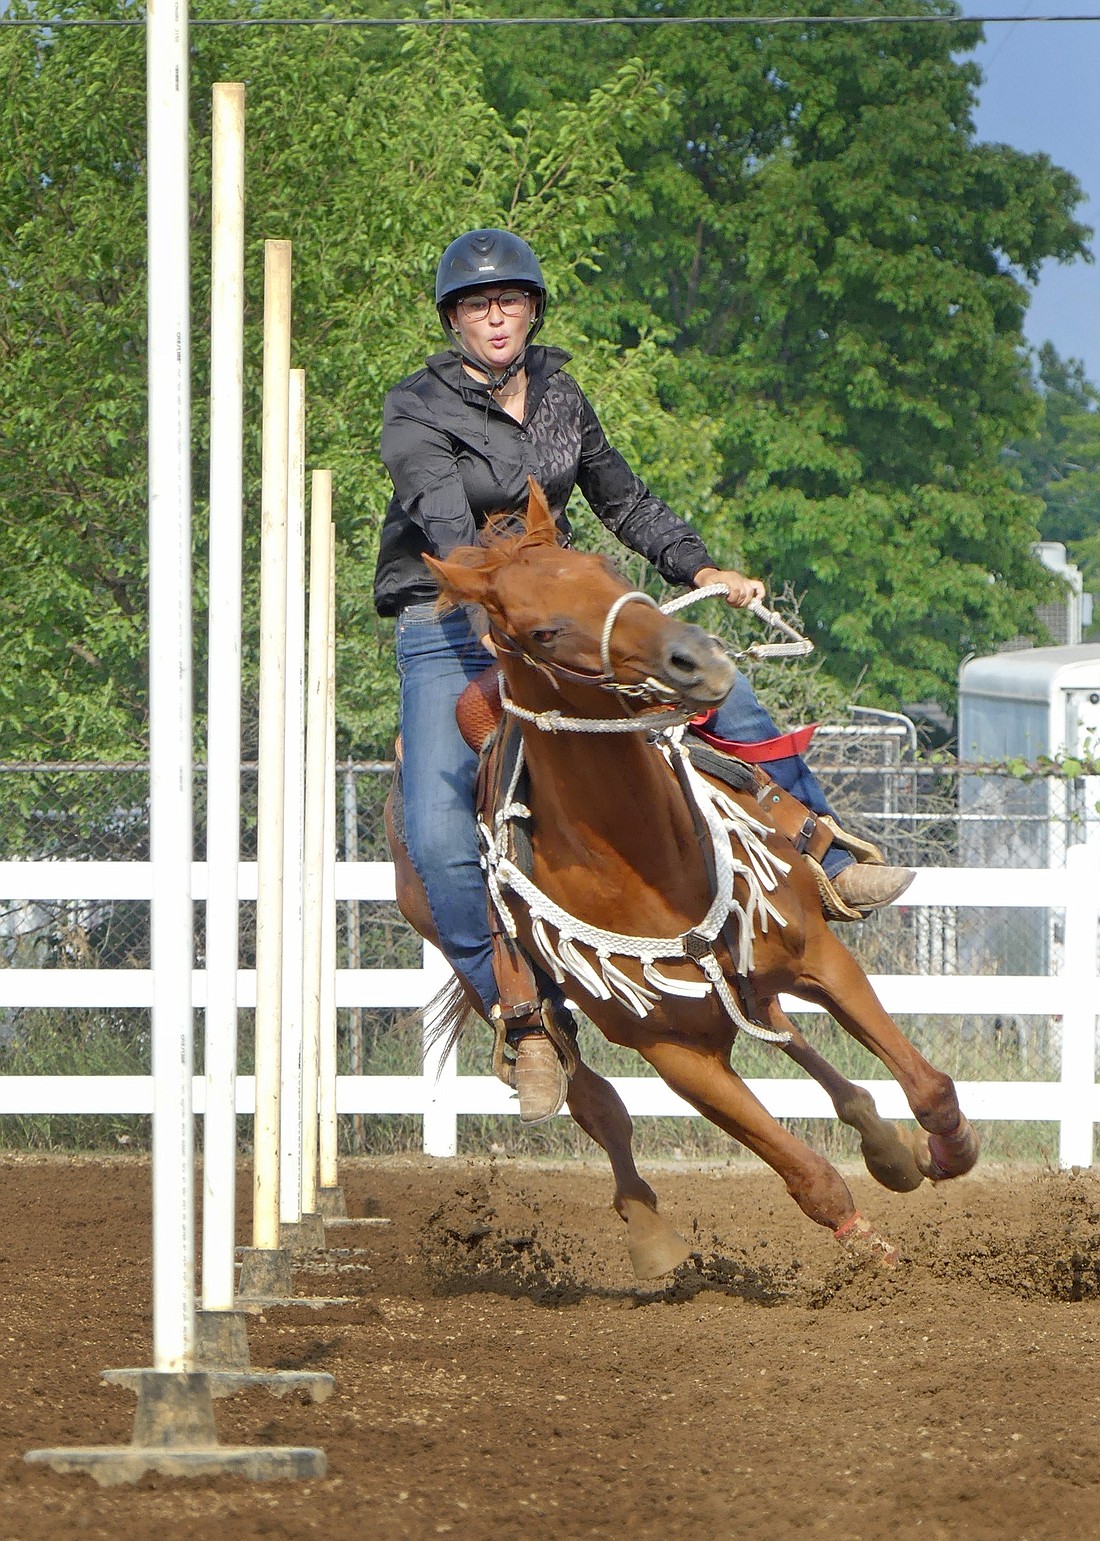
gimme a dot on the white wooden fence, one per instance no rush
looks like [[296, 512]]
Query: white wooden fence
[[440, 1095]]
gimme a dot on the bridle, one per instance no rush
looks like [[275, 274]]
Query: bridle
[[718, 817], [650, 691]]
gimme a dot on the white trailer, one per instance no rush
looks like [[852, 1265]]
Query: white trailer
[[1038, 704]]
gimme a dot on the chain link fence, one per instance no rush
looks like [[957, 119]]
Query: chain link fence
[[922, 812]]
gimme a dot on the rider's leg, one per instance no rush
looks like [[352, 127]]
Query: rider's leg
[[437, 656], [742, 718]]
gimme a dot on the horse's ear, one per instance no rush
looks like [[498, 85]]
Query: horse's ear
[[540, 521], [464, 585]]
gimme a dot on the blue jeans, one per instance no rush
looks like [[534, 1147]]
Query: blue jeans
[[437, 657]]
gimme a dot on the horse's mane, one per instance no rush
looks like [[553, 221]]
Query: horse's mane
[[503, 537]]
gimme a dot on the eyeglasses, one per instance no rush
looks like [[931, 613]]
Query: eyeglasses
[[475, 307]]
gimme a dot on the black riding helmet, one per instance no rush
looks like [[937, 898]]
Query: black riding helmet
[[482, 257]]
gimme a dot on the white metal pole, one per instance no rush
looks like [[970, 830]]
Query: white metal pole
[[327, 1051], [269, 846], [314, 860], [1082, 1004], [223, 734], [170, 685], [290, 1118]]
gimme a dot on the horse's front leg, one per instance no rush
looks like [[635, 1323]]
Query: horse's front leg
[[946, 1145], [887, 1155], [655, 1246], [704, 1078]]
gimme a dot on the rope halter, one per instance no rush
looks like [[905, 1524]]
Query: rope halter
[[650, 689]]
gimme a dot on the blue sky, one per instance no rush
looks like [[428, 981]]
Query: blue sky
[[1041, 92]]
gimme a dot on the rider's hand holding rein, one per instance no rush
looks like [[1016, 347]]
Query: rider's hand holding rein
[[740, 591]]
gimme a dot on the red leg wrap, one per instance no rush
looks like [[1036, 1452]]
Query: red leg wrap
[[862, 1240]]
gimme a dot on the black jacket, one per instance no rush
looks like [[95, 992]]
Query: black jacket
[[456, 456]]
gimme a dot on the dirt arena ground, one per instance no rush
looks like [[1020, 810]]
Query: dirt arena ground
[[499, 1374]]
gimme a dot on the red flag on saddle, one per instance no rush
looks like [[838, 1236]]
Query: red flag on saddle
[[784, 747]]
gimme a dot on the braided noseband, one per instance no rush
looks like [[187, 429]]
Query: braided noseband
[[613, 616]]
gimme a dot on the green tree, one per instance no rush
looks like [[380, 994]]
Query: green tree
[[843, 268], [1061, 463], [369, 156]]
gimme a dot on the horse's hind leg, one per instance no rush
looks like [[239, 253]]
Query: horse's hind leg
[[948, 1146], [887, 1155], [705, 1079], [654, 1245]]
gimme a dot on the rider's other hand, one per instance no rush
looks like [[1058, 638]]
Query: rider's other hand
[[741, 591]]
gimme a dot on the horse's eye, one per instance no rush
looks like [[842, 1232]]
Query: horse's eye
[[545, 636]]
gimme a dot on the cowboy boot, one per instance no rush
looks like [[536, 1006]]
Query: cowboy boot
[[865, 887], [540, 1079]]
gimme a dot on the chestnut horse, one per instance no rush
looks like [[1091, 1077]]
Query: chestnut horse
[[619, 851]]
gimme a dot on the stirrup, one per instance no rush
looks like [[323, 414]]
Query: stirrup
[[832, 904], [557, 1023], [855, 845]]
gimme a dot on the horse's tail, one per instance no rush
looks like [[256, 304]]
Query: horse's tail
[[447, 1016]]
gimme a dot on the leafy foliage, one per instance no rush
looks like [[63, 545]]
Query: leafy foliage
[[1061, 464], [842, 268], [369, 161], [793, 281]]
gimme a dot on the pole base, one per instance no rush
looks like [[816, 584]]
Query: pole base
[[265, 1281], [344, 1221], [317, 1385], [307, 1235], [174, 1435], [110, 1465], [265, 1274], [331, 1204], [221, 1340]]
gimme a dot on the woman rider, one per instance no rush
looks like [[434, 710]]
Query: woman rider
[[460, 438]]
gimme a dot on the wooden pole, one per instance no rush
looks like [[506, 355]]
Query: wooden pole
[[170, 748], [223, 742], [290, 1121], [328, 1130], [269, 852], [316, 766]]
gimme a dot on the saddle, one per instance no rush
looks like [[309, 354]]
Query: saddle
[[483, 725]]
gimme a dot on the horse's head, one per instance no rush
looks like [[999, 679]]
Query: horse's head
[[566, 612]]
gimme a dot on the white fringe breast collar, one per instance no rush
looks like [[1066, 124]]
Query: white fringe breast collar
[[738, 843]]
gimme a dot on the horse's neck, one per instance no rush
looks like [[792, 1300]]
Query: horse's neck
[[607, 795]]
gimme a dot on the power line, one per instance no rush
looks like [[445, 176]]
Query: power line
[[48, 24]]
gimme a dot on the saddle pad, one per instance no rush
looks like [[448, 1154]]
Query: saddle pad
[[397, 805], [720, 764]]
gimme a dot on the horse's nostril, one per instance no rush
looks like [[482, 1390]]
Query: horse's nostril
[[683, 664]]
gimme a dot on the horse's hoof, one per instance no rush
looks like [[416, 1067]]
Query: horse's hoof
[[864, 1244], [654, 1245], [943, 1156], [953, 1154], [891, 1161]]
